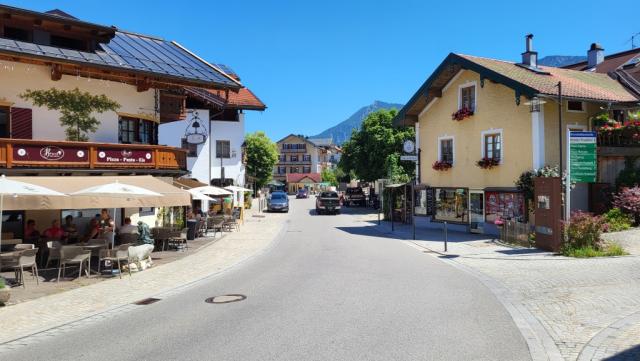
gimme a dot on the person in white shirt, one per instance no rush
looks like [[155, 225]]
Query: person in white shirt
[[127, 227]]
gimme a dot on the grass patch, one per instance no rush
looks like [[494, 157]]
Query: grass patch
[[588, 252]]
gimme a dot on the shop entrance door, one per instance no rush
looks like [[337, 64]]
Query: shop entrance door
[[476, 211]]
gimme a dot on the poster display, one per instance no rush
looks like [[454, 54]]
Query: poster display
[[504, 205]]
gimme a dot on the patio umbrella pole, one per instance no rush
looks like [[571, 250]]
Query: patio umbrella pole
[[1, 207], [113, 232]]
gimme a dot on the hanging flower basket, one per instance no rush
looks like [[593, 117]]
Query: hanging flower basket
[[441, 166], [488, 163], [464, 112]]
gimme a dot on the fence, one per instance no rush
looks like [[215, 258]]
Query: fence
[[516, 233]]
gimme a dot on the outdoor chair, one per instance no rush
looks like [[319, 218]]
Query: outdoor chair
[[202, 227], [215, 223], [178, 239], [230, 223], [161, 235], [74, 255], [120, 255], [54, 252], [127, 238], [27, 259], [23, 246]]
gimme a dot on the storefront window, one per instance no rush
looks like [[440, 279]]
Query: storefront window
[[504, 205], [421, 202], [451, 205]]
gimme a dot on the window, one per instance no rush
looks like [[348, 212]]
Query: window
[[293, 170], [575, 106], [306, 158], [282, 170], [69, 43], [504, 205], [293, 158], [192, 149], [452, 204], [282, 158], [223, 149], [306, 169], [446, 150], [493, 146], [17, 34], [132, 130], [468, 97], [4, 122]]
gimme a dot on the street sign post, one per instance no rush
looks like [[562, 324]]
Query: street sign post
[[413, 158], [582, 163]]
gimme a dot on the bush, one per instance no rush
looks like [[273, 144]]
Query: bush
[[587, 252], [628, 200], [2, 284], [617, 220], [583, 231]]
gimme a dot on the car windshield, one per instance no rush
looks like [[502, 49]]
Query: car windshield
[[328, 195], [278, 196], [354, 190], [302, 191]]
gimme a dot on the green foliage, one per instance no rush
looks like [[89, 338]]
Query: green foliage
[[628, 200], [583, 231], [588, 252], [262, 156], [630, 175], [2, 284], [329, 176], [369, 151], [525, 182], [76, 109], [617, 220], [397, 173]]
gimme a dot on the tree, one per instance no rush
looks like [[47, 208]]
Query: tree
[[76, 107], [373, 152], [329, 176], [262, 156]]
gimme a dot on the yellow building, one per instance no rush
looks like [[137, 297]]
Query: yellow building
[[480, 123]]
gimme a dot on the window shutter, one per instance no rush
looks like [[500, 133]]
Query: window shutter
[[21, 123]]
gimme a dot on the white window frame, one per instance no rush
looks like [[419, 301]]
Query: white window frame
[[584, 107], [453, 147], [491, 132], [582, 127], [475, 94]]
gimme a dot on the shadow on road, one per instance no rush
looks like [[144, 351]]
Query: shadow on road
[[632, 353]]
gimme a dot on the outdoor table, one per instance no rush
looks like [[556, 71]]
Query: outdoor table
[[93, 248], [9, 257]]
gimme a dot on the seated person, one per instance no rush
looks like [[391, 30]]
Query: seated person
[[92, 231], [55, 231], [128, 227], [31, 234], [70, 229]]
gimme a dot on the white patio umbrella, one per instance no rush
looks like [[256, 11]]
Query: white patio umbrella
[[15, 188], [212, 191], [118, 190], [200, 196], [238, 189]]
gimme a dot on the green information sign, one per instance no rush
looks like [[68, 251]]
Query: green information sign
[[582, 157]]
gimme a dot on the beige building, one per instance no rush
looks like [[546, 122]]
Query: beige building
[[297, 155]]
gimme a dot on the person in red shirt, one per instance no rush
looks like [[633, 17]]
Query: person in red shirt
[[55, 231]]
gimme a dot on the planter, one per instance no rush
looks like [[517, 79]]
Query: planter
[[488, 163], [4, 296], [461, 114], [441, 166]]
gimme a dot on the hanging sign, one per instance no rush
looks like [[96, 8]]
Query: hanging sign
[[582, 157]]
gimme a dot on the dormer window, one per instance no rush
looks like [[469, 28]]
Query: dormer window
[[467, 97], [576, 106]]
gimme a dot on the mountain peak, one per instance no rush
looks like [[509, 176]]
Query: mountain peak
[[342, 131]]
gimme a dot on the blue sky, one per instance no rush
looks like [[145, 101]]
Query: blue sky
[[316, 62]]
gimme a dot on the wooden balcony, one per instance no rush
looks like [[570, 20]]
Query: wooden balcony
[[39, 154], [620, 144]]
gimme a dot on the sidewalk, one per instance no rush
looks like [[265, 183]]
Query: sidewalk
[[114, 295], [571, 309]]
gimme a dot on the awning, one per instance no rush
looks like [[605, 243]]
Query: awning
[[187, 183], [171, 196], [397, 185]]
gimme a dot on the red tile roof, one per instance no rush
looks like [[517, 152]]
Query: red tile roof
[[298, 177], [243, 99]]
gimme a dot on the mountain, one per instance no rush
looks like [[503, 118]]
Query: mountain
[[342, 132], [560, 60]]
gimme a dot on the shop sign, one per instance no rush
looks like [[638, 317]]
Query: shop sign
[[125, 156], [582, 157], [49, 153]]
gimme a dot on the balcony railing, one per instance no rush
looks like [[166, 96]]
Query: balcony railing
[[618, 139], [301, 150], [20, 153]]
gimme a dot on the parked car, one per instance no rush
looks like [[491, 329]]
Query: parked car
[[278, 202], [302, 193], [328, 202], [355, 196]]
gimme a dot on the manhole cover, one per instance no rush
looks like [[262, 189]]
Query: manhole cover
[[225, 299]]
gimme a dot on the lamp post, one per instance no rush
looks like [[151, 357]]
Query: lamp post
[[562, 210]]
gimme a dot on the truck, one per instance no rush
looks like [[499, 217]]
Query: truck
[[355, 196], [328, 202]]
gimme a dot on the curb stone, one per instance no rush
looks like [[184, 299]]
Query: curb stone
[[597, 346]]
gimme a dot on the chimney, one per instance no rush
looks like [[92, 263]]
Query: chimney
[[595, 55], [530, 57]]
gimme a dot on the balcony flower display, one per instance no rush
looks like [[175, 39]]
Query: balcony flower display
[[488, 163], [617, 134], [462, 113], [441, 165]]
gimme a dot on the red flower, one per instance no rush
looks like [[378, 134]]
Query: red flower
[[488, 163], [464, 112], [441, 165]]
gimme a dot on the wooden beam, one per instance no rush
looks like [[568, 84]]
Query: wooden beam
[[143, 85], [56, 74]]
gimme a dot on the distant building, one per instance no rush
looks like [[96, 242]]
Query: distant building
[[330, 153]]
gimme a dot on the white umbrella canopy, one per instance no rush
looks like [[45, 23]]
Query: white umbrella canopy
[[116, 189], [200, 196], [238, 189], [17, 188], [212, 191]]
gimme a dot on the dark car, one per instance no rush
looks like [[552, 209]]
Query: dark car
[[328, 202], [302, 193], [278, 202], [355, 196]]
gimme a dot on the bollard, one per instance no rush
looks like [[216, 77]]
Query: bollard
[[446, 236]]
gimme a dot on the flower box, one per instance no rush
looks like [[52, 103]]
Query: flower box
[[488, 163], [462, 113], [441, 166]]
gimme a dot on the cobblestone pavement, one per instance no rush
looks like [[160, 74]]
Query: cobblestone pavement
[[54, 313], [590, 308]]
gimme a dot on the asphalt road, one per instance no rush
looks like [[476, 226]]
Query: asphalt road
[[330, 288]]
